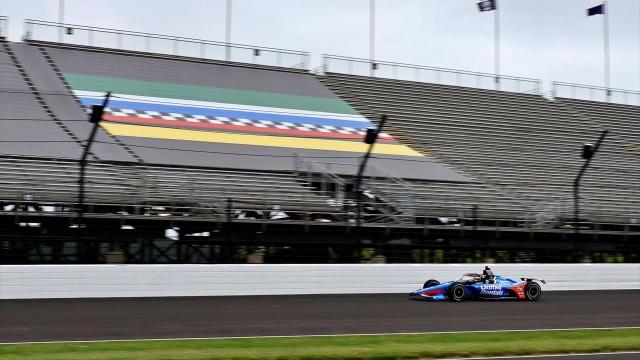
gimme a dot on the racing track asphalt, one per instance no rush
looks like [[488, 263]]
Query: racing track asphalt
[[197, 317]]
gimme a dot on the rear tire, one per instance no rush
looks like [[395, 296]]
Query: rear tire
[[532, 291], [430, 283], [456, 292]]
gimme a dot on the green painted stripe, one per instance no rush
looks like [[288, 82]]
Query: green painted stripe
[[205, 93]]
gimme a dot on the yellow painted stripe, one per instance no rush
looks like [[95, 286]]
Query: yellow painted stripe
[[154, 132]]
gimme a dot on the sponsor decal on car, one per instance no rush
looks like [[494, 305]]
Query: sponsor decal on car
[[491, 289], [519, 289]]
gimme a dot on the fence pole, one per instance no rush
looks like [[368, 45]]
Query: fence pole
[[95, 118], [363, 165], [576, 182]]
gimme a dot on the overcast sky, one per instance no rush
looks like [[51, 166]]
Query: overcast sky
[[545, 39]]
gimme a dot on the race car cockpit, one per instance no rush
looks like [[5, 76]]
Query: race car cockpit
[[487, 276], [470, 278]]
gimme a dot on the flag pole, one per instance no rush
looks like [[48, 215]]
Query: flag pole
[[372, 35], [60, 20], [497, 44], [227, 34], [607, 69]]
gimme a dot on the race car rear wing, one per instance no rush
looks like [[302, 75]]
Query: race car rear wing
[[532, 279]]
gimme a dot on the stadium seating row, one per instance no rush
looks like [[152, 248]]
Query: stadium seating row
[[524, 144]]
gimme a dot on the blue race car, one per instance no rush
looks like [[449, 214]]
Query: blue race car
[[480, 286]]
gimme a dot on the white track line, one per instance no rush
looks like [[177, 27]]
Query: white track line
[[316, 335], [545, 356]]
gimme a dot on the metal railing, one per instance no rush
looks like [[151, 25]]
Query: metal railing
[[401, 71], [163, 44], [241, 211], [595, 93], [131, 191], [330, 184], [395, 190], [4, 27], [376, 185]]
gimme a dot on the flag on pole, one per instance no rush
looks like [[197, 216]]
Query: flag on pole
[[596, 10], [487, 5], [601, 10]]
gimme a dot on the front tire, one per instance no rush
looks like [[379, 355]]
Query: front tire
[[430, 283], [532, 291], [456, 292]]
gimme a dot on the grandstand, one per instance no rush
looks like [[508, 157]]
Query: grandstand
[[522, 145], [245, 154]]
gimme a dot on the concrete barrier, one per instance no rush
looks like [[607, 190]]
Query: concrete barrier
[[85, 281]]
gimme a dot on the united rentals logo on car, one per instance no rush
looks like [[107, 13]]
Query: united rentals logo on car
[[491, 289]]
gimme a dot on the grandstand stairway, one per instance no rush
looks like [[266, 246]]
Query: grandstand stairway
[[27, 125], [378, 204]]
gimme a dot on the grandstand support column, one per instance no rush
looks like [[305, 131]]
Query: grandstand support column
[[95, 118], [371, 137], [587, 153]]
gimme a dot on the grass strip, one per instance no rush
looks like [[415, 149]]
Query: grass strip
[[341, 347]]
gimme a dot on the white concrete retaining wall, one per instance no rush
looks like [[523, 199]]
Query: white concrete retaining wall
[[83, 281]]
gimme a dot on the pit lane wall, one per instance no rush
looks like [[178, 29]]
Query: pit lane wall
[[89, 281]]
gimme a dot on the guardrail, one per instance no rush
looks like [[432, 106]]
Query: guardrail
[[4, 27], [595, 93], [401, 71], [163, 44], [91, 281]]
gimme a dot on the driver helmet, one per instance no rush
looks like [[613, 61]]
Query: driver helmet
[[487, 274]]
